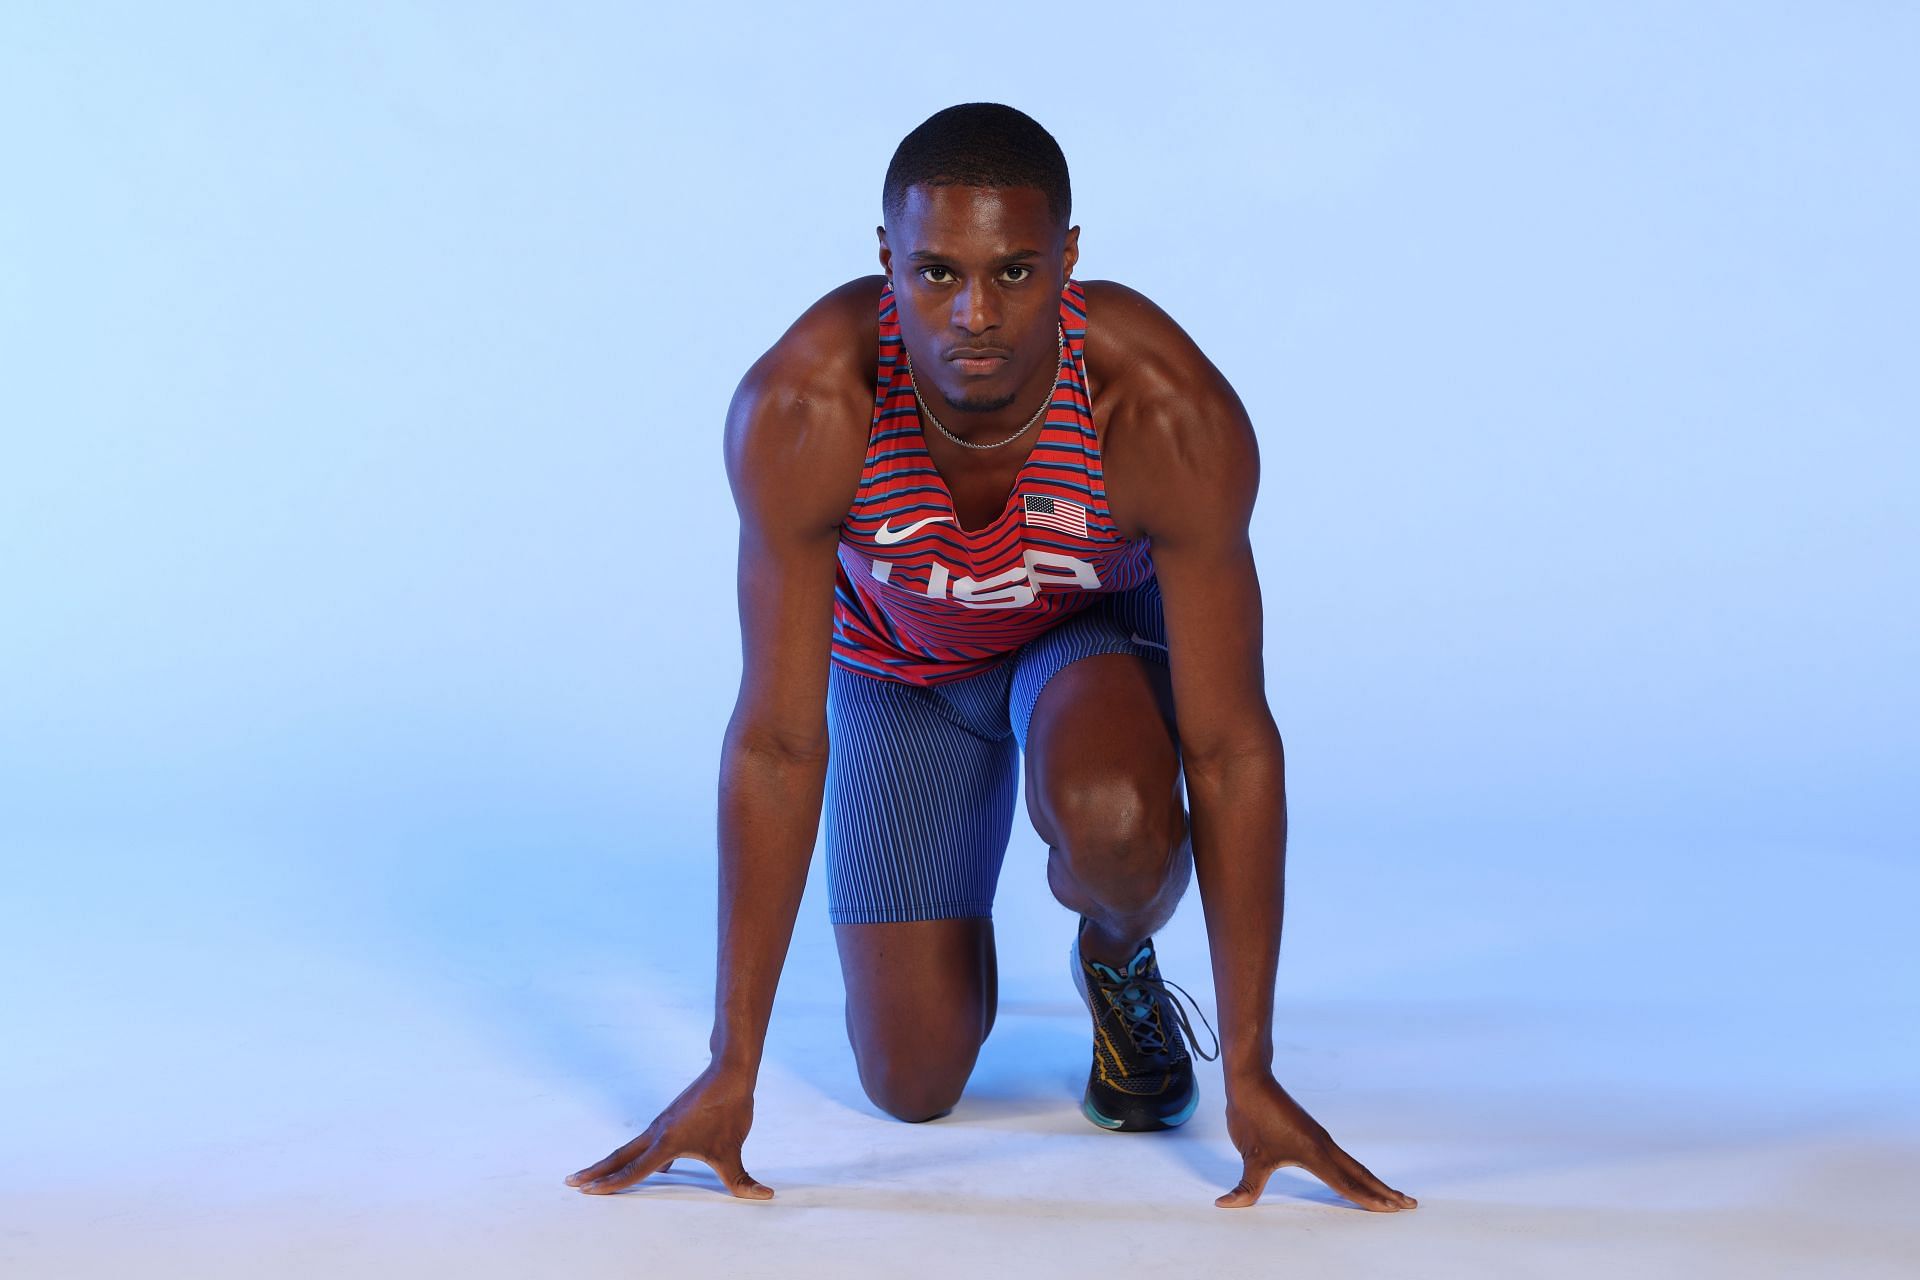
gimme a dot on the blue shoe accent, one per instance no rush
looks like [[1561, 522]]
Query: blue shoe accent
[[1092, 1113], [1142, 1075]]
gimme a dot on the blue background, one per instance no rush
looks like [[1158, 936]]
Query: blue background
[[368, 558]]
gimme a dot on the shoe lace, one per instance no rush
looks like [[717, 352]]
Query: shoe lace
[[1137, 1012]]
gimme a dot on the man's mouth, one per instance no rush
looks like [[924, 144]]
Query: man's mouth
[[977, 360]]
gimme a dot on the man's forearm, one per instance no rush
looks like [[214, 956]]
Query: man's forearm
[[1238, 809], [769, 816]]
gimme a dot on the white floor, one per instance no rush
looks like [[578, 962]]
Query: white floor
[[371, 1060]]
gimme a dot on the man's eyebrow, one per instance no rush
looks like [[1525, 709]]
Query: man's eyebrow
[[926, 255]]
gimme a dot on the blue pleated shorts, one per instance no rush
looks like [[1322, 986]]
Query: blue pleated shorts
[[922, 779]]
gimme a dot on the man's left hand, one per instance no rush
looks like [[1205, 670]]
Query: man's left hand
[[1272, 1131]]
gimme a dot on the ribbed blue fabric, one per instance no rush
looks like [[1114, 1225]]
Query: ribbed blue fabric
[[921, 779], [1124, 622]]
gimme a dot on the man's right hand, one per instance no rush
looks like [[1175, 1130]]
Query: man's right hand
[[709, 1121]]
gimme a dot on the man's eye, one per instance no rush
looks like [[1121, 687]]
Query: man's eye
[[1027, 270], [929, 279]]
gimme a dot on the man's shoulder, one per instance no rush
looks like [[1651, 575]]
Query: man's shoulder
[[797, 428], [1124, 306], [1144, 364], [1138, 353], [1176, 431], [829, 351]]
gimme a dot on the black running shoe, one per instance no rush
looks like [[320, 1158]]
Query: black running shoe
[[1142, 1076]]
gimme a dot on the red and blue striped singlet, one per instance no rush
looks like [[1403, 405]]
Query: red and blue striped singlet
[[919, 599]]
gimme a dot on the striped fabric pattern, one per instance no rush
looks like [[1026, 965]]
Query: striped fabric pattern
[[919, 599], [921, 779], [919, 802]]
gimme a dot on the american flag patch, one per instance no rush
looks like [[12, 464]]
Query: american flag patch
[[1056, 513]]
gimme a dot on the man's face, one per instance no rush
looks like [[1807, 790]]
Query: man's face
[[977, 273]]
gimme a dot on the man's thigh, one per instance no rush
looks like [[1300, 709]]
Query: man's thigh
[[1092, 705], [921, 788], [1103, 755], [921, 994], [920, 791]]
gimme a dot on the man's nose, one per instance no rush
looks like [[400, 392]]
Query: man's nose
[[974, 309]]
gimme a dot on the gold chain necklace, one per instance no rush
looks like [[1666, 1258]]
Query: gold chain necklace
[[968, 444]]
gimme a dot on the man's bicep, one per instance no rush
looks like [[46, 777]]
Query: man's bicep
[[786, 620], [1199, 521], [793, 466]]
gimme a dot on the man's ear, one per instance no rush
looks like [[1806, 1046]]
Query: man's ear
[[886, 254], [1072, 254]]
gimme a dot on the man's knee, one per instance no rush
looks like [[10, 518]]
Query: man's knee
[[1119, 839], [915, 1091], [920, 1076]]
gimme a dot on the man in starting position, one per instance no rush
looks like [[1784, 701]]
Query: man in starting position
[[992, 514]]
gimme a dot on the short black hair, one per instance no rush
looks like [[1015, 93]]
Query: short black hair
[[978, 144]]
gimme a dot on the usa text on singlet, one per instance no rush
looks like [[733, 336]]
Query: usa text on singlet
[[919, 599]]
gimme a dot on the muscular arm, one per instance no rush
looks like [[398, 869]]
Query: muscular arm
[[1185, 458], [1180, 424], [794, 441], [796, 433]]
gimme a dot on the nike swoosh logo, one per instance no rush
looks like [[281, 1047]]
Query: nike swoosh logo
[[887, 537], [1140, 639]]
